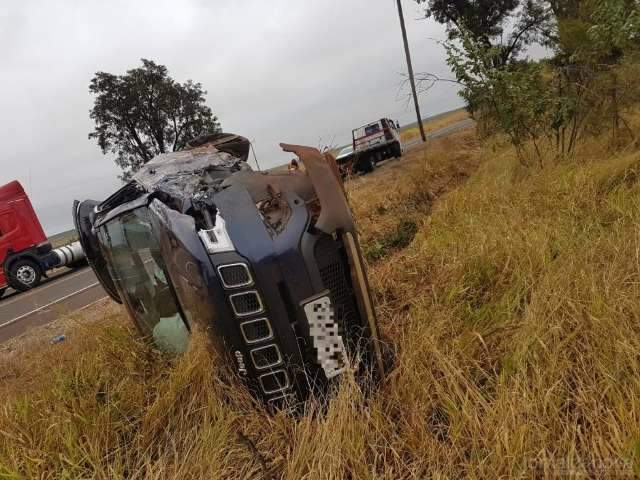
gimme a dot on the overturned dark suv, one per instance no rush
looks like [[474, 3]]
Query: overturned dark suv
[[268, 263]]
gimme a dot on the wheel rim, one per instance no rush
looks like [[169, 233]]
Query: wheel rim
[[26, 274]]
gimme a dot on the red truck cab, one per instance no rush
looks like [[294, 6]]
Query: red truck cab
[[25, 253], [22, 239]]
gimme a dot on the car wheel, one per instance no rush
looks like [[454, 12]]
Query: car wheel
[[2, 290], [24, 275]]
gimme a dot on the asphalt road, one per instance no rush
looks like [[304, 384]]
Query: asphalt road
[[67, 291]]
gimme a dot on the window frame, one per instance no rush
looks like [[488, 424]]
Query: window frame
[[105, 245]]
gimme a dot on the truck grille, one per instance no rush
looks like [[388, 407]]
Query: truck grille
[[335, 278]]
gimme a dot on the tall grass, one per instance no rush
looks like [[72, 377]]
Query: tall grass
[[434, 123], [514, 311]]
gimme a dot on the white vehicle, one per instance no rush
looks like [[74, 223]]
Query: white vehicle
[[375, 142], [345, 153]]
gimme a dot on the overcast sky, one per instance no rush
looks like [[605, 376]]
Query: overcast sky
[[300, 72]]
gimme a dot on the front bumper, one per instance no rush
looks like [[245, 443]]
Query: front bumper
[[305, 261]]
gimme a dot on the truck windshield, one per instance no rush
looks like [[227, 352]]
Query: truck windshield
[[137, 267]]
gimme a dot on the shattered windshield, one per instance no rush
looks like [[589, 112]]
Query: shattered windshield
[[138, 269]]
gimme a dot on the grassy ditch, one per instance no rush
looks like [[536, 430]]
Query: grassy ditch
[[514, 308]]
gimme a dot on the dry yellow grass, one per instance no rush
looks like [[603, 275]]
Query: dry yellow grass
[[515, 314], [436, 123], [63, 238]]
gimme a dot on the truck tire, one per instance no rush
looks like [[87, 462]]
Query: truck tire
[[24, 275], [397, 150], [366, 165]]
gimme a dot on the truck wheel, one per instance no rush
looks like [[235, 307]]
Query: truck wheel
[[366, 166], [397, 150], [24, 275]]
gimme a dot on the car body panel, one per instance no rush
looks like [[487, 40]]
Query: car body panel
[[289, 232]]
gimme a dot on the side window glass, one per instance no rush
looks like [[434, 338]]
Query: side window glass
[[372, 129], [138, 268]]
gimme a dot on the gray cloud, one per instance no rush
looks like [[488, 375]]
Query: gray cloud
[[301, 72]]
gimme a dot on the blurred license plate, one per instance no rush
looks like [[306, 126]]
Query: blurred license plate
[[326, 336]]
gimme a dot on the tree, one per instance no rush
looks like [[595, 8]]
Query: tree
[[504, 26], [515, 100], [584, 88], [482, 19], [616, 26], [145, 113]]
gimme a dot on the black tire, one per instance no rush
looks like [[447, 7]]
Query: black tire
[[2, 290], [397, 150], [24, 275], [366, 166]]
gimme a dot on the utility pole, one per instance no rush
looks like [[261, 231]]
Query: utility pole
[[410, 68], [253, 150]]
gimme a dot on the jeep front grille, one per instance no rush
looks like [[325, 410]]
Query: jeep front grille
[[266, 357], [336, 279], [284, 400], [235, 275], [273, 382], [246, 303], [255, 331]]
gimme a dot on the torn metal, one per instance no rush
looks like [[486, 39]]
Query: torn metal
[[198, 237]]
